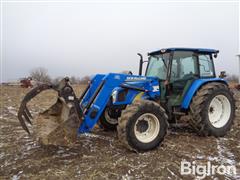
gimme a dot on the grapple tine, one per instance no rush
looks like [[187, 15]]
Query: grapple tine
[[26, 117], [23, 112], [28, 113], [21, 120]]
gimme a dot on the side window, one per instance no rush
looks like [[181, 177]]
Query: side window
[[205, 66], [183, 65], [158, 66], [187, 66]]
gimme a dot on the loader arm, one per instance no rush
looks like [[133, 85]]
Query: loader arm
[[97, 97], [99, 93]]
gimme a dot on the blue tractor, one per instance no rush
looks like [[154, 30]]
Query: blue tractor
[[178, 82]]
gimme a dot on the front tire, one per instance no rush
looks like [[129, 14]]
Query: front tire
[[142, 126], [212, 110], [107, 122]]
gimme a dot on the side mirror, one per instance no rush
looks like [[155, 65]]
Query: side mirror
[[222, 74]]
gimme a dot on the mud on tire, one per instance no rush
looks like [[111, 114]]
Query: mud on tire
[[131, 126], [212, 110]]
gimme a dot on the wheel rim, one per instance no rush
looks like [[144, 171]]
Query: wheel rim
[[147, 127], [109, 119], [219, 111]]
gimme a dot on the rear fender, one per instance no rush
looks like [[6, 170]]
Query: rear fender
[[196, 85]]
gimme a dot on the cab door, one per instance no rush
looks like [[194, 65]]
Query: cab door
[[184, 70]]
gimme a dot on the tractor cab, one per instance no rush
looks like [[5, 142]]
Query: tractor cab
[[178, 68]]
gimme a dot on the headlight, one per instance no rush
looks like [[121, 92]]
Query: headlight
[[114, 96]]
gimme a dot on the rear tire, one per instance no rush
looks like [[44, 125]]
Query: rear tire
[[212, 110], [142, 126]]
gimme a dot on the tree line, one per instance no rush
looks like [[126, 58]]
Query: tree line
[[40, 74]]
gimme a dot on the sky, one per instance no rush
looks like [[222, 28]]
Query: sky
[[72, 38]]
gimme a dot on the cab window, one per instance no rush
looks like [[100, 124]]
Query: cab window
[[206, 66], [158, 66], [184, 65]]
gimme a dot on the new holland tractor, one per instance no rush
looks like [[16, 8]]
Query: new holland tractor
[[178, 82]]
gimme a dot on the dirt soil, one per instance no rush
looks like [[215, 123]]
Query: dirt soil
[[99, 155]]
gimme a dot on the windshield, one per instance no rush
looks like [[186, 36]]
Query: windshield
[[157, 66]]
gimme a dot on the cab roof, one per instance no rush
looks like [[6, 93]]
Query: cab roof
[[199, 50]]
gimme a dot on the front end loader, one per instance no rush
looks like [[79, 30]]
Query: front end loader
[[70, 116], [178, 82]]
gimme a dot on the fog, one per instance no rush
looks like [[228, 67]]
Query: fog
[[72, 38]]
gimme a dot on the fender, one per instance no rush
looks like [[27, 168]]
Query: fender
[[196, 85]]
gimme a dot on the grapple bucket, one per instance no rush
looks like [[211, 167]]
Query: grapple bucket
[[57, 125]]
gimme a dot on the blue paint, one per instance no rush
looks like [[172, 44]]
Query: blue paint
[[194, 88], [199, 50], [112, 82]]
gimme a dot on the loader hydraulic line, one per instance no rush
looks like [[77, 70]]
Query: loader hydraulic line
[[94, 96], [84, 92]]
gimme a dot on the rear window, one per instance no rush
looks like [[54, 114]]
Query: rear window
[[206, 66]]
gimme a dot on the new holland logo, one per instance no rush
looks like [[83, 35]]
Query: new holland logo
[[136, 78]]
